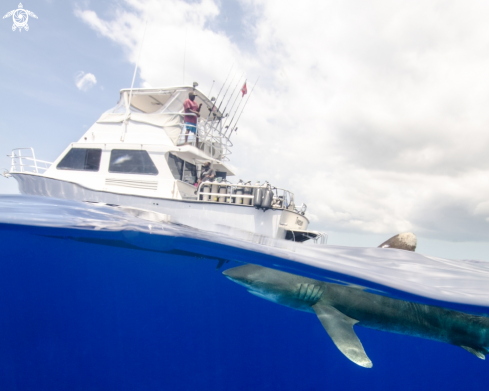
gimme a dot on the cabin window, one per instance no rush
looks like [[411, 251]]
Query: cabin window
[[81, 159], [189, 174], [176, 166], [182, 170], [221, 174], [130, 161]]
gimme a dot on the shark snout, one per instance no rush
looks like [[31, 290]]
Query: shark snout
[[238, 275], [228, 272]]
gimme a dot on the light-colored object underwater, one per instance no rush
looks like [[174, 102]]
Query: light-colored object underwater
[[340, 307]]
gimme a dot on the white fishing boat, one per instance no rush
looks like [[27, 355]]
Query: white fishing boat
[[136, 155]]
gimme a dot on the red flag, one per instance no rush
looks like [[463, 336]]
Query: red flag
[[244, 90]]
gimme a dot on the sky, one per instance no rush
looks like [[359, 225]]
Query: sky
[[373, 112]]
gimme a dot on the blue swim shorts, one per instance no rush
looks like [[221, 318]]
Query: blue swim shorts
[[191, 127]]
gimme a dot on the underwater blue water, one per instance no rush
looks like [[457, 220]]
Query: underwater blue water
[[94, 299]]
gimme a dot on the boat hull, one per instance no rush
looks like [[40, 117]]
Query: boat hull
[[202, 215]]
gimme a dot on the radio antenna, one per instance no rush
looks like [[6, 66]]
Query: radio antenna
[[128, 110], [184, 55], [137, 63], [212, 86]]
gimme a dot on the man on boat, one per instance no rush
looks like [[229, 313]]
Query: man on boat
[[191, 107], [207, 173]]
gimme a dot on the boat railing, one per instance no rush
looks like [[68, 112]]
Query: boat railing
[[24, 160], [244, 194], [321, 237], [211, 136]]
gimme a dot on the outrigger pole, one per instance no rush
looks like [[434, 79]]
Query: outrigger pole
[[249, 96]]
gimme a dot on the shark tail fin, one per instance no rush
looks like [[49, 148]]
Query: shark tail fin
[[475, 352], [340, 328], [405, 241]]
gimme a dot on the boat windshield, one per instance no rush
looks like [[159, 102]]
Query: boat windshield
[[161, 102]]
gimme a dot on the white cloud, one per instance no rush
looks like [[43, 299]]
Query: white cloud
[[85, 81], [373, 112]]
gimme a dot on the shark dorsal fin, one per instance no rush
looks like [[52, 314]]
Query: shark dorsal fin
[[340, 328], [475, 352], [405, 241]]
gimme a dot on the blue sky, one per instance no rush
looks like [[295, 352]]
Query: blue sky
[[42, 107], [373, 113]]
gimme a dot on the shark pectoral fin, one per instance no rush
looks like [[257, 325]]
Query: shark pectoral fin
[[340, 328], [475, 352], [221, 263]]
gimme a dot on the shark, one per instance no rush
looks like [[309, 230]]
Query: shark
[[341, 307]]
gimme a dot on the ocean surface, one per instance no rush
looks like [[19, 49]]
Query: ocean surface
[[96, 297]]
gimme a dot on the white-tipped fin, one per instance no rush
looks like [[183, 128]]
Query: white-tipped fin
[[340, 328], [405, 241], [476, 353]]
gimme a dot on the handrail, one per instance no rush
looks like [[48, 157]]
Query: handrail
[[19, 161], [209, 136], [282, 198], [320, 238]]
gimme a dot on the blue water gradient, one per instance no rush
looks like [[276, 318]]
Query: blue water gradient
[[93, 298]]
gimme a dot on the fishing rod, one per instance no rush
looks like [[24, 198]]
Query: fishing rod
[[224, 97], [214, 103], [242, 109], [237, 108], [231, 97]]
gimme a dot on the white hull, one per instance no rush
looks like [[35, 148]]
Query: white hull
[[137, 155], [202, 215]]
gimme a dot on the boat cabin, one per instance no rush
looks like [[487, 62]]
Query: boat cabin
[[140, 148], [139, 154]]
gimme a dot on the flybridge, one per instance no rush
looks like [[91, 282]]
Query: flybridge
[[162, 108], [169, 99]]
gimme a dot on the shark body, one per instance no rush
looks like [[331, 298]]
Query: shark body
[[340, 307]]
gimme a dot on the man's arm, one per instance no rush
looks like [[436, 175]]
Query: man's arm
[[187, 105], [211, 174]]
